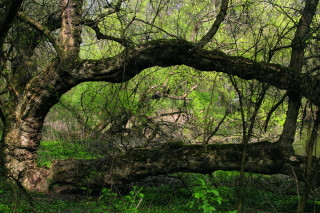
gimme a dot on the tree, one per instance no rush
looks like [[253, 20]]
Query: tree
[[8, 11], [34, 81]]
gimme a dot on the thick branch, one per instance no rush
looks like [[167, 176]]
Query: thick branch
[[70, 35], [8, 11], [43, 30], [166, 53], [222, 13]]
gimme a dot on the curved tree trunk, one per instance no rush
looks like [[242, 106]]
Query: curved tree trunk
[[21, 143], [23, 125], [22, 133]]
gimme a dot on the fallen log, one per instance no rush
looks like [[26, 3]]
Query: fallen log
[[69, 176]]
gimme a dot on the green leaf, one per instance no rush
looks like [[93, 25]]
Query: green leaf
[[197, 195]]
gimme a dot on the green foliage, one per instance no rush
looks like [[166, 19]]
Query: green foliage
[[128, 203], [263, 194], [299, 144], [206, 197], [4, 208], [51, 150]]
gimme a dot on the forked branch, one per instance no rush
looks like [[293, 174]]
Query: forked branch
[[93, 24], [43, 30]]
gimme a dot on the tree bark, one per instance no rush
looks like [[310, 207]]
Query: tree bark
[[23, 129], [308, 164], [8, 11], [68, 176], [22, 133], [296, 62]]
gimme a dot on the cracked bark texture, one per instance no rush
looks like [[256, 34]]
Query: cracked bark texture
[[22, 133], [68, 176]]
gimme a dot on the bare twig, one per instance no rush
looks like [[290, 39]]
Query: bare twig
[[145, 22], [158, 95], [217, 127], [272, 111]]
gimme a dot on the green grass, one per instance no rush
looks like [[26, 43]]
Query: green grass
[[51, 150]]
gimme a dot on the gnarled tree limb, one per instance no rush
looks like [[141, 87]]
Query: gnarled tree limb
[[43, 30], [166, 53]]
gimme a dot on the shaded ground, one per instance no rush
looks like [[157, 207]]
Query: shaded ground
[[174, 193]]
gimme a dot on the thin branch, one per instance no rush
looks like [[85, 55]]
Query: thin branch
[[79, 118], [145, 22], [316, 68], [308, 164], [43, 30], [211, 33], [275, 49], [280, 37], [256, 108], [101, 16], [158, 95], [274, 109], [218, 126], [282, 9], [94, 25], [311, 57], [168, 114], [2, 117]]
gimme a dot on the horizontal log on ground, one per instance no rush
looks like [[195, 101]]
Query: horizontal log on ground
[[263, 157]]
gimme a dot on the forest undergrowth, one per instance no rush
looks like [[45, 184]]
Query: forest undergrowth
[[174, 193], [179, 192]]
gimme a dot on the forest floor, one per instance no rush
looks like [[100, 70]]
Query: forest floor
[[180, 192], [174, 193]]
